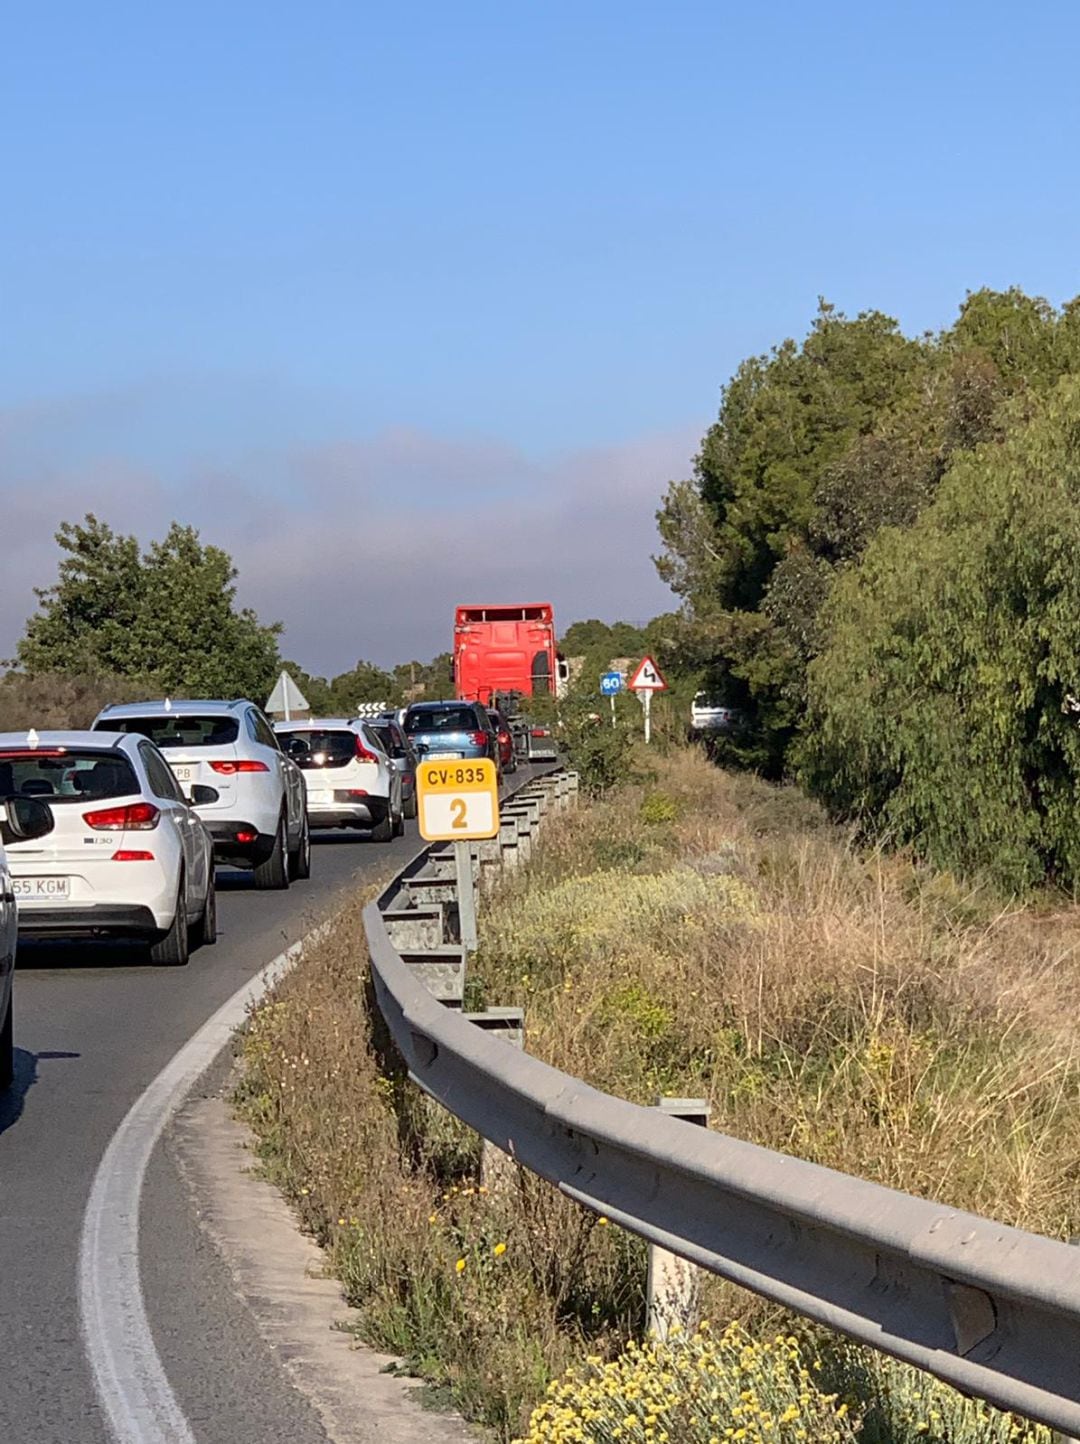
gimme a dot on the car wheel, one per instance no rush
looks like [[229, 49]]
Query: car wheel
[[173, 949], [273, 871], [300, 857], [410, 805], [383, 831], [7, 1046], [205, 933]]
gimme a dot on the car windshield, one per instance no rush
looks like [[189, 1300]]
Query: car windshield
[[313, 748], [170, 730], [441, 719], [63, 774]]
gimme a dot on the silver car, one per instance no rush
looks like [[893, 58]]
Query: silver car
[[22, 819]]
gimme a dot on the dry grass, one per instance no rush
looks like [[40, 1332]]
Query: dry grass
[[60, 701], [696, 934], [707, 934], [484, 1294]]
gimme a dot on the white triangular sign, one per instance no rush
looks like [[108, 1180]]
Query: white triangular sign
[[286, 697], [647, 678]]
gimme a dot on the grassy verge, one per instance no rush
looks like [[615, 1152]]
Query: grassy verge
[[696, 934]]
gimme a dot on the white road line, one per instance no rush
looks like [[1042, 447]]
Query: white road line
[[138, 1402]]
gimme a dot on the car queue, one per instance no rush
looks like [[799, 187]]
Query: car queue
[[117, 830]]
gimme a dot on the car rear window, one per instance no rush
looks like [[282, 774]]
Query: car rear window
[[441, 719], [174, 731], [313, 749], [67, 774]]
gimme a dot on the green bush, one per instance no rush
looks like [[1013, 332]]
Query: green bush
[[944, 706]]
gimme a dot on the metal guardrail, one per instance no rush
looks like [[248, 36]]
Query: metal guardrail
[[990, 1309]]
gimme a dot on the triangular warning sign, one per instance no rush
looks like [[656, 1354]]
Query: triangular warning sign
[[647, 678], [286, 697]]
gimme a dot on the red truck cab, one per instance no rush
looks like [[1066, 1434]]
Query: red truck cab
[[500, 649]]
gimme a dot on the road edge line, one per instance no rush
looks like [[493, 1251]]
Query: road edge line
[[133, 1390]]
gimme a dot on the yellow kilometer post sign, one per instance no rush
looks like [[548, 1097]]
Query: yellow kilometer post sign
[[458, 802]]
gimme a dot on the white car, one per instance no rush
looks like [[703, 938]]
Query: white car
[[21, 819], [229, 762], [351, 782], [127, 856], [709, 715]]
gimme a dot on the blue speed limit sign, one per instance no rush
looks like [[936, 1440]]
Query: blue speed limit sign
[[610, 683]]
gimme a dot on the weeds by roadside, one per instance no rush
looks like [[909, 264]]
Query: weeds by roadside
[[692, 933]]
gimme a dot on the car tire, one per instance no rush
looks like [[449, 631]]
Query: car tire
[[383, 831], [173, 948], [399, 822], [7, 1046], [300, 857], [410, 806], [204, 934], [273, 872]]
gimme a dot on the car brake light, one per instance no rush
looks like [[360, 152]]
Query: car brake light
[[504, 737], [540, 732], [246, 836], [229, 769], [346, 792], [130, 854], [479, 738], [136, 817], [364, 753]]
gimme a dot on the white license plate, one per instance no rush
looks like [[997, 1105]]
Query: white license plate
[[320, 797], [184, 774], [441, 756], [41, 887]]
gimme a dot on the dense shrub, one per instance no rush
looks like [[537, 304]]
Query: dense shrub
[[944, 704]]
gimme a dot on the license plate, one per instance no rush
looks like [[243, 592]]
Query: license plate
[[41, 887], [318, 797], [441, 756], [184, 774]]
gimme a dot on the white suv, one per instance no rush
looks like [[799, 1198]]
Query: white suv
[[351, 782], [227, 759], [127, 855]]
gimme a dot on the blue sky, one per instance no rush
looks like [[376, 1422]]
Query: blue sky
[[323, 278]]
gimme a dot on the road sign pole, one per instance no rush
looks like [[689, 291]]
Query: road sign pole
[[648, 727], [466, 896], [613, 709]]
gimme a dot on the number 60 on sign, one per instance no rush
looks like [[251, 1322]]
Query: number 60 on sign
[[457, 801]]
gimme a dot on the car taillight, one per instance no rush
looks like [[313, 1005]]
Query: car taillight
[[479, 738], [246, 835], [137, 817], [540, 732], [504, 737], [229, 769], [363, 753], [130, 854]]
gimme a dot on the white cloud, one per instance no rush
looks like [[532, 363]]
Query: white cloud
[[363, 548]]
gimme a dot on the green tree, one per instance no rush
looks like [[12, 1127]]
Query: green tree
[[816, 449], [167, 617], [944, 704], [363, 683]]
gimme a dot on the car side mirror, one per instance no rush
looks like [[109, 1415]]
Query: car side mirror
[[23, 819], [201, 795]]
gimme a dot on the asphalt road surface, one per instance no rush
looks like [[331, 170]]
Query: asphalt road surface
[[94, 1026]]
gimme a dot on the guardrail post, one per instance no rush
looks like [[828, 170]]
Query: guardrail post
[[673, 1284], [466, 892], [497, 1167]]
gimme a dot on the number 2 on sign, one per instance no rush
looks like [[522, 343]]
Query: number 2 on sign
[[457, 812]]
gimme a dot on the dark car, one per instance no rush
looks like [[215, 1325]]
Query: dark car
[[505, 738], [402, 754], [450, 729]]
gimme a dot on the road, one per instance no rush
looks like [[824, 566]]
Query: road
[[93, 1028]]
